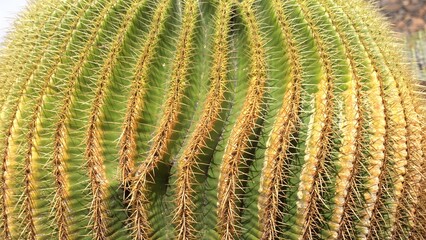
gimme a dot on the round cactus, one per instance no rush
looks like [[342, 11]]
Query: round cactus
[[208, 119]]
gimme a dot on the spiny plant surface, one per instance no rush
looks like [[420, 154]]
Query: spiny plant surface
[[208, 119]]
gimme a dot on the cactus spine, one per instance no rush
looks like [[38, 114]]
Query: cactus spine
[[164, 119]]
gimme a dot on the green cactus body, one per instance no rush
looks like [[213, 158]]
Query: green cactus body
[[164, 119]]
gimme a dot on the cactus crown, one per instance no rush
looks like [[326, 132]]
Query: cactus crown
[[208, 119]]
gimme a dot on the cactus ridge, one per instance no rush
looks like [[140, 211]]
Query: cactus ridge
[[230, 180], [275, 170], [400, 152], [350, 152], [411, 173], [22, 42], [381, 141], [61, 206], [138, 198], [15, 116], [189, 162], [318, 133], [199, 119], [7, 85], [416, 50], [31, 145]]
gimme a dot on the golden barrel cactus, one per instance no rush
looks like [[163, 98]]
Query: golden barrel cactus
[[208, 119]]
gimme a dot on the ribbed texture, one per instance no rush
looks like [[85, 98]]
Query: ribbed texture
[[213, 119], [416, 49]]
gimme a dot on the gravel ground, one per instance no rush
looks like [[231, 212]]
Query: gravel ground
[[407, 16]]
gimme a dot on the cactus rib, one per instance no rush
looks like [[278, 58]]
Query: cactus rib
[[32, 144], [185, 180], [127, 142], [10, 132], [61, 205], [139, 199], [275, 170], [317, 141], [229, 179]]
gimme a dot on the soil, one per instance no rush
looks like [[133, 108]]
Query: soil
[[407, 16]]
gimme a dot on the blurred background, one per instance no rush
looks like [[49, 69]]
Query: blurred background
[[407, 16]]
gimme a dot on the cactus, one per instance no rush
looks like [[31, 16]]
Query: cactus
[[415, 44], [251, 119]]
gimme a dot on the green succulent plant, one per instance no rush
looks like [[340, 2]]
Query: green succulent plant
[[208, 119]]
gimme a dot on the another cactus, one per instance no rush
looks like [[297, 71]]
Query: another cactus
[[198, 119]]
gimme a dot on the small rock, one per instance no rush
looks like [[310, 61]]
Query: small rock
[[416, 24], [400, 25], [413, 7]]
